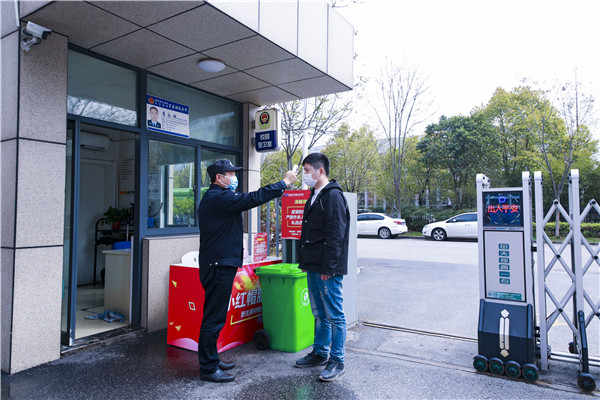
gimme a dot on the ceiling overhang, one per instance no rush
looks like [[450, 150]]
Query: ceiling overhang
[[273, 51]]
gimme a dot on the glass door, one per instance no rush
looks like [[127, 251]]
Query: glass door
[[98, 231]]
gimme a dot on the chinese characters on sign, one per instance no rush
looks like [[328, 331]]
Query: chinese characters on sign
[[504, 265], [503, 209], [292, 212], [266, 131], [167, 117]]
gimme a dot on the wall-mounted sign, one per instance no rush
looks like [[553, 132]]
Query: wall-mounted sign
[[167, 117], [292, 212], [266, 131]]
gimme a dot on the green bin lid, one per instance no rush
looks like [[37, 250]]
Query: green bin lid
[[290, 270]]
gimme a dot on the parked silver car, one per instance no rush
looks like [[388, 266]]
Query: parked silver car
[[460, 226]]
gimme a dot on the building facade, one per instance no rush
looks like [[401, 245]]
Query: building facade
[[110, 115]]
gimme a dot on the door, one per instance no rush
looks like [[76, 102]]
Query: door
[[460, 226], [100, 170]]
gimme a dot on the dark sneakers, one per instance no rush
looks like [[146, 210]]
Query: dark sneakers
[[332, 371], [218, 376], [311, 360]]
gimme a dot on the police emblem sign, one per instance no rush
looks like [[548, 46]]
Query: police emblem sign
[[266, 131]]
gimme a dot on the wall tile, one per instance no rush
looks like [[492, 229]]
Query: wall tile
[[340, 49], [312, 29], [40, 194], [279, 23], [8, 101], [7, 18], [43, 101], [8, 192], [160, 253], [6, 306], [36, 307]]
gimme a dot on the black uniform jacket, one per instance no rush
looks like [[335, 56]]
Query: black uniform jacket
[[325, 232], [221, 225]]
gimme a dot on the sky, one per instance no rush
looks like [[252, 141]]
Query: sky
[[468, 48]]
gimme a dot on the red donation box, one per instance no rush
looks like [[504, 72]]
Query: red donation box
[[186, 302], [292, 212]]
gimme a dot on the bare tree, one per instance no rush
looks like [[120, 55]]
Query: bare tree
[[319, 116], [404, 104]]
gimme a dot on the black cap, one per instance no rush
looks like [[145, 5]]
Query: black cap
[[220, 167]]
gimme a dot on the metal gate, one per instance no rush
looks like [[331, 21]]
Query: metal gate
[[579, 305]]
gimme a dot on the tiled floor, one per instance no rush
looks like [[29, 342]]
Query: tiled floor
[[90, 301]]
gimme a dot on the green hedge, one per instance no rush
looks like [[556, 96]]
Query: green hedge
[[417, 217], [587, 229]]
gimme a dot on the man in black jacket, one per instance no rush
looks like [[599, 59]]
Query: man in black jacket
[[323, 254], [221, 254]]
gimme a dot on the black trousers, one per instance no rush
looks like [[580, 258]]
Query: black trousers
[[217, 283]]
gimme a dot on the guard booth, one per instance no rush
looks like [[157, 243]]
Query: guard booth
[[507, 327]]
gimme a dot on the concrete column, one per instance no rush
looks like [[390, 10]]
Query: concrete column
[[251, 161], [33, 180]]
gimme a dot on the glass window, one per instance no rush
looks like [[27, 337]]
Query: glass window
[[208, 157], [171, 185], [101, 90], [471, 217], [211, 118]]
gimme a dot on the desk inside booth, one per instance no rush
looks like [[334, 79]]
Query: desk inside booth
[[186, 302]]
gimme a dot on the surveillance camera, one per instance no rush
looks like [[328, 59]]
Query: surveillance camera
[[37, 31], [33, 34]]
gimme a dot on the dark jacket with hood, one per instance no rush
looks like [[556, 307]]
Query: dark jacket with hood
[[325, 232], [221, 225]]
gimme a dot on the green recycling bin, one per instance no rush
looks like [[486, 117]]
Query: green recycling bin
[[287, 317]]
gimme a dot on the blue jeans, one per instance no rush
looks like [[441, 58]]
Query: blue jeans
[[326, 303]]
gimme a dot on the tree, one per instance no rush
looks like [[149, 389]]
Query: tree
[[353, 158], [559, 135], [402, 106], [461, 145], [319, 116], [274, 165], [513, 144]]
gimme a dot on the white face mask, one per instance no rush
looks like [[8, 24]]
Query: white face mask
[[308, 180]]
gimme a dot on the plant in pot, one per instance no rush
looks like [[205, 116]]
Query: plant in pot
[[115, 217]]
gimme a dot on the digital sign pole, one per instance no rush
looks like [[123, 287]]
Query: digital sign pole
[[506, 329]]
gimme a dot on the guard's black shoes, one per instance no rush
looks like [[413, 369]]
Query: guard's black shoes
[[331, 371], [223, 365], [218, 376], [311, 360]]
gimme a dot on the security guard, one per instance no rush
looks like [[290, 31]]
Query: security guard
[[221, 253]]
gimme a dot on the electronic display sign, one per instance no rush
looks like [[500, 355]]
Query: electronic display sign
[[503, 209]]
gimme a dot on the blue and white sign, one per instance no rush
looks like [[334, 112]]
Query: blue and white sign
[[266, 132], [167, 116]]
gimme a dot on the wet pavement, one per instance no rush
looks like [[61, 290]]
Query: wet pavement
[[430, 359], [380, 364]]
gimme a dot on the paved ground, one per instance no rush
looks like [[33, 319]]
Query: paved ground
[[381, 363]]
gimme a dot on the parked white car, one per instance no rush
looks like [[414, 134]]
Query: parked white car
[[460, 226], [380, 224]]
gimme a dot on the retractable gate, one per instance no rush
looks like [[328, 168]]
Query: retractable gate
[[584, 298]]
